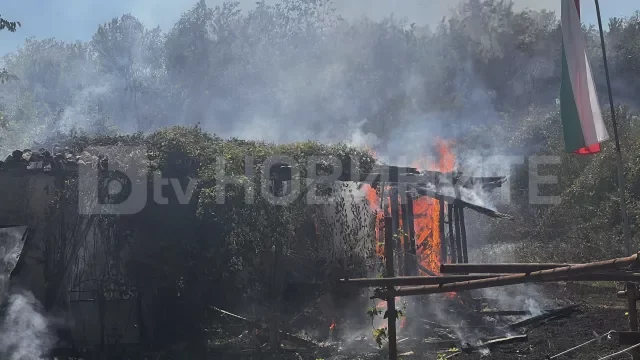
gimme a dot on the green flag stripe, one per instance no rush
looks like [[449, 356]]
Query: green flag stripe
[[572, 128]]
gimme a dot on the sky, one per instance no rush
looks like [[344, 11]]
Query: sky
[[71, 20]]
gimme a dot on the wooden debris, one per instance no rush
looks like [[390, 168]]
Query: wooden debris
[[498, 341], [291, 338], [550, 315]]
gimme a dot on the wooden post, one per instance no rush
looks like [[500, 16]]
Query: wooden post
[[391, 300], [409, 264], [458, 240], [463, 234], [395, 218], [452, 240], [457, 203], [443, 238], [633, 314], [275, 286]]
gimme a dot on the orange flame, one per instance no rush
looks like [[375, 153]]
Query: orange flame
[[426, 213], [333, 325]]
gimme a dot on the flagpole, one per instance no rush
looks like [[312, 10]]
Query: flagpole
[[621, 180]]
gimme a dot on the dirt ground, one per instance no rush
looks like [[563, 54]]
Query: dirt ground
[[600, 311]]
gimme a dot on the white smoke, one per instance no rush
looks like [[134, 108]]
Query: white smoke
[[24, 329], [24, 334]]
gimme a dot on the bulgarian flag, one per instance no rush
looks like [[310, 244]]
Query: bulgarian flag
[[582, 122]]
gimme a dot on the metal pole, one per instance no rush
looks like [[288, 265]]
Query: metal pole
[[621, 179]]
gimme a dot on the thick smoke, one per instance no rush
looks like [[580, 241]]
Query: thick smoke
[[24, 329], [279, 74]]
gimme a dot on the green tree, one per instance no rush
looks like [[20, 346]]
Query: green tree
[[11, 26]]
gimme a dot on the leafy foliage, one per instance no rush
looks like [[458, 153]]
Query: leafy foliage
[[9, 25]]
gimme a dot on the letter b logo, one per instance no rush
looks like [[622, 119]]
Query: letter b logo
[[115, 184]]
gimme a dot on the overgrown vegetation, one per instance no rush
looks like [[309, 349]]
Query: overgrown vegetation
[[215, 249]]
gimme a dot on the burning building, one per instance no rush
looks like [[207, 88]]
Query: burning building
[[427, 211]]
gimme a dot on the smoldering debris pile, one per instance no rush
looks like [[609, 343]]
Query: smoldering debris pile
[[451, 323]]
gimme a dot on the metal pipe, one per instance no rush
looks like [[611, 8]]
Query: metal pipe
[[507, 268], [436, 280], [542, 275]]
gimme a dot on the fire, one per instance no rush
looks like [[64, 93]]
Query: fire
[[426, 213], [333, 325]]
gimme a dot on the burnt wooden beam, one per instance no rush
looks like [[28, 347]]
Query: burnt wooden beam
[[498, 268], [537, 276], [463, 235], [456, 229], [452, 241], [409, 244], [552, 314], [447, 279], [408, 280], [443, 239], [391, 300], [395, 218], [450, 199]]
